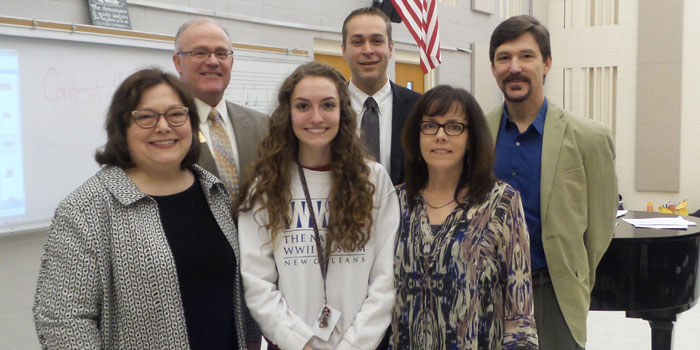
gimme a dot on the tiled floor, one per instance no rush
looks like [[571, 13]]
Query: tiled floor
[[612, 331]]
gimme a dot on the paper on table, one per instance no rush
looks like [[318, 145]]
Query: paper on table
[[662, 223], [622, 212]]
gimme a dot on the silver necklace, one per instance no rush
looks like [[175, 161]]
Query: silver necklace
[[439, 206]]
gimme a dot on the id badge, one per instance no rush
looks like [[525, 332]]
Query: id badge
[[325, 332]]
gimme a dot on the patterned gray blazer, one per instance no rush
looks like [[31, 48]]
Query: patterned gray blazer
[[108, 278]]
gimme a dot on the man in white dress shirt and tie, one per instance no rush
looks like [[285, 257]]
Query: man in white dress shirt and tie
[[381, 105]]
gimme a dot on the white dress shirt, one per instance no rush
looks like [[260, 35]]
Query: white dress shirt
[[384, 100], [203, 109]]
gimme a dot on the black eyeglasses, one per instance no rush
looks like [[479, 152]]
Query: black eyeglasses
[[147, 118], [428, 127], [199, 54]]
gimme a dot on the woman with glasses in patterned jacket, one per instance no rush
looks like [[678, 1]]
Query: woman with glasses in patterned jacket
[[144, 254]]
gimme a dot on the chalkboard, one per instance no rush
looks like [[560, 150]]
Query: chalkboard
[[54, 93]]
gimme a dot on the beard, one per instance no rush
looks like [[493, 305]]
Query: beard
[[516, 77]]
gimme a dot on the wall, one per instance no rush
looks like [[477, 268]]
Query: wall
[[287, 24], [292, 24], [580, 46], [19, 269], [690, 121], [297, 23], [659, 55]]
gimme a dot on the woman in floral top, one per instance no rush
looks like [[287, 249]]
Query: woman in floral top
[[462, 266]]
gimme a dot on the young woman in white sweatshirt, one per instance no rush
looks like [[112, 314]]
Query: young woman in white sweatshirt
[[313, 140]]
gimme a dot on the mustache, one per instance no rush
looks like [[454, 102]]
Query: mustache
[[516, 77]]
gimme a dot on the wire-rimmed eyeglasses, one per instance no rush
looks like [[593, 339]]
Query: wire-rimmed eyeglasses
[[199, 54]]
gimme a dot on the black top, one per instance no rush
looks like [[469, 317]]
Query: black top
[[206, 267]]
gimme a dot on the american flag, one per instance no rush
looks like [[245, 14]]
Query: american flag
[[421, 19]]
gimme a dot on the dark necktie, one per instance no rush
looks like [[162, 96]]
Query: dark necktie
[[370, 127]]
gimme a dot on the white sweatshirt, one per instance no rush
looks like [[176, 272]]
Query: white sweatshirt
[[282, 279]]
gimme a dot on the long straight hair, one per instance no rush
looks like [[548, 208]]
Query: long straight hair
[[477, 169]]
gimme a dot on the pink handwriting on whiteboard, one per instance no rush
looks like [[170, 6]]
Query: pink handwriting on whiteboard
[[66, 88]]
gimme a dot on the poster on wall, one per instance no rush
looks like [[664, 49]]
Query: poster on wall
[[110, 13]]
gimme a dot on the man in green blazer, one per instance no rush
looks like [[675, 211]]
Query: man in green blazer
[[564, 167]]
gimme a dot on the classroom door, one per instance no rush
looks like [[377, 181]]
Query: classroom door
[[337, 62], [410, 74], [406, 73]]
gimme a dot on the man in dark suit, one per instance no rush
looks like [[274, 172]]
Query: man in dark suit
[[229, 132], [367, 47]]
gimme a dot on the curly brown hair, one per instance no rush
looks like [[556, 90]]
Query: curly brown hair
[[268, 182]]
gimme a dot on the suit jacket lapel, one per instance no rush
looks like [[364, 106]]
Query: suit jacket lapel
[[494, 123], [206, 159], [554, 130], [400, 109], [242, 129]]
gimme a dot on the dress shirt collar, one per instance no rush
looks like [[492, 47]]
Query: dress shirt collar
[[358, 97], [203, 110], [537, 124]]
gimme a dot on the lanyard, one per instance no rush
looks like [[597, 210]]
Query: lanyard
[[322, 257]]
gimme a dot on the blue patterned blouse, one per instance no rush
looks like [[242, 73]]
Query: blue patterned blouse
[[467, 286]]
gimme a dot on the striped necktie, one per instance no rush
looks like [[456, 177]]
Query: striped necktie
[[223, 153]]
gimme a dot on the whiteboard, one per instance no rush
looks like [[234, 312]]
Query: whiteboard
[[65, 83]]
